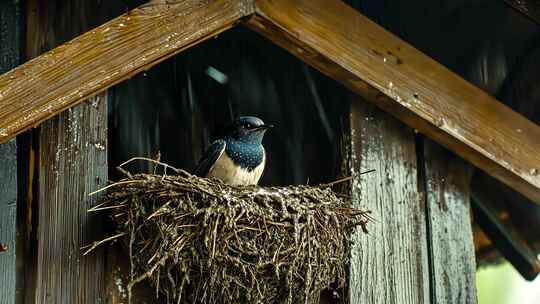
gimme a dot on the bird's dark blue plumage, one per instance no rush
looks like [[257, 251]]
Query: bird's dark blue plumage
[[246, 155], [239, 157], [209, 158]]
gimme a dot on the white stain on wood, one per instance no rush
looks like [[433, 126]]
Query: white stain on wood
[[448, 212], [390, 264]]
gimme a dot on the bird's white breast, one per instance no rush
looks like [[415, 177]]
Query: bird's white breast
[[225, 170]]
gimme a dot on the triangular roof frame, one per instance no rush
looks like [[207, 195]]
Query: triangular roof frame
[[327, 34]]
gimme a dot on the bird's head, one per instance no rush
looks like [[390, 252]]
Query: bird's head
[[248, 129]]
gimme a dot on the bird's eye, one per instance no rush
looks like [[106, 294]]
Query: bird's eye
[[247, 125]]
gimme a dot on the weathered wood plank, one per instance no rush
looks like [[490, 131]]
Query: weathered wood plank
[[100, 58], [8, 215], [451, 245], [350, 48], [26, 217], [10, 34], [389, 265], [10, 30], [73, 163]]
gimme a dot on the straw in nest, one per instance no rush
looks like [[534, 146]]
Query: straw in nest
[[198, 240]]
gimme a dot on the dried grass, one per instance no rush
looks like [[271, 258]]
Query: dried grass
[[200, 241]]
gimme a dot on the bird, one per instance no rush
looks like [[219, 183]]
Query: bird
[[238, 158]]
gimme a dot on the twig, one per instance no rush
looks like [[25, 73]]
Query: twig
[[158, 210], [94, 209], [95, 244], [114, 185], [342, 180], [152, 161], [339, 181]]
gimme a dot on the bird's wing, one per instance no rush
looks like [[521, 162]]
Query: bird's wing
[[210, 157]]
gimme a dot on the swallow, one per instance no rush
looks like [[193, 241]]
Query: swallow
[[238, 158]]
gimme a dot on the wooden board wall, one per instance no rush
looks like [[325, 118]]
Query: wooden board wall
[[450, 238], [419, 248], [8, 215], [390, 264], [73, 159], [10, 46]]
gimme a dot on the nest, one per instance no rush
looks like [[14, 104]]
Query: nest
[[198, 240]]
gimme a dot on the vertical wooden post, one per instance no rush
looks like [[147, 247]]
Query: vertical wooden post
[[10, 30], [390, 264], [73, 163], [451, 246]]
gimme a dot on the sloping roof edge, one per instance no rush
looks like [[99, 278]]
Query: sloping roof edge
[[328, 35]]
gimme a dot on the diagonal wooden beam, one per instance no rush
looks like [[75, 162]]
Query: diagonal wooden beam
[[112, 52], [490, 205], [385, 70]]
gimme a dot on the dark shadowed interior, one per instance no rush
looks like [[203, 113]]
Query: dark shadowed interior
[[178, 107]]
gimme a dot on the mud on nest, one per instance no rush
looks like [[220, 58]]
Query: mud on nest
[[200, 241]]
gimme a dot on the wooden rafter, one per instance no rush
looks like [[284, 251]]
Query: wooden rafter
[[401, 80], [106, 55], [329, 35]]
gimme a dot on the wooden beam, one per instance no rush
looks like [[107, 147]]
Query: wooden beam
[[106, 55], [10, 54], [489, 203], [390, 264], [385, 70], [450, 238]]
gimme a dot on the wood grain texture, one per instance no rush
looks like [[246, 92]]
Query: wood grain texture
[[389, 265], [26, 217], [73, 163], [451, 245], [10, 34], [106, 55], [350, 48], [8, 215], [10, 46]]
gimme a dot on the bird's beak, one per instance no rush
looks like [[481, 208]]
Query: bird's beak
[[263, 127]]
